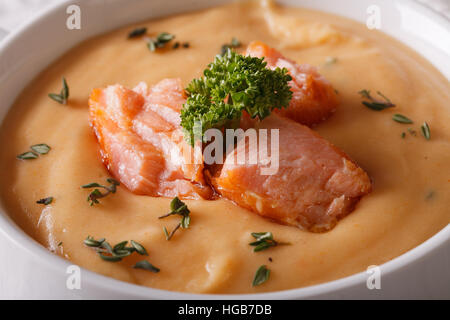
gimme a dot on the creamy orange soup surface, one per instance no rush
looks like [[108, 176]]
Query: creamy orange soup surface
[[411, 175]]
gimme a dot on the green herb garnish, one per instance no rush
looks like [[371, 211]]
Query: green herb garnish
[[233, 83], [27, 156], [160, 41], [401, 118], [119, 251], [330, 61], [139, 248], [45, 201], [40, 148], [235, 43], [144, 264], [109, 258], [137, 32], [430, 195], [426, 131], [375, 104], [63, 95], [264, 240], [97, 194], [91, 242], [166, 233], [261, 275], [403, 135], [37, 149], [177, 207]]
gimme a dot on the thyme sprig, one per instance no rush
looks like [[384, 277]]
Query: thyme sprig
[[97, 194], [177, 207], [264, 240], [114, 254], [375, 104], [63, 96]]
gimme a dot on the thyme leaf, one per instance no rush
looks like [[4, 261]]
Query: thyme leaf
[[27, 156], [109, 258], [401, 118], [139, 248], [330, 60], [160, 41], [40, 148], [137, 32], [261, 276], [63, 96], [430, 195], [91, 242], [144, 264], [45, 201], [426, 131]]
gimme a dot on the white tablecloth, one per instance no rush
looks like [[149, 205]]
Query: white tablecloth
[[15, 12]]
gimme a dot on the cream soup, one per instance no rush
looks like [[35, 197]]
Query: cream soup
[[411, 175]]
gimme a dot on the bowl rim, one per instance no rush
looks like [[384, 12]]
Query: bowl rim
[[11, 231]]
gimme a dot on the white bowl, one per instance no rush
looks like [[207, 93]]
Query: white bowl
[[28, 270]]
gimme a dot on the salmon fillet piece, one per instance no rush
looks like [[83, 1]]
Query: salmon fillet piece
[[316, 184], [313, 99], [141, 141]]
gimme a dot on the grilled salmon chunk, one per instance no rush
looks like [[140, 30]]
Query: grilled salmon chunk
[[313, 99], [316, 184], [141, 141]]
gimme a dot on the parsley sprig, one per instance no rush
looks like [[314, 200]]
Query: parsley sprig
[[177, 207], [231, 84]]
